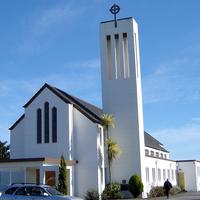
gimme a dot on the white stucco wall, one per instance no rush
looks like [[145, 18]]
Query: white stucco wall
[[159, 164], [191, 170], [122, 97], [197, 169], [31, 175], [85, 151], [17, 141], [31, 148], [165, 155]]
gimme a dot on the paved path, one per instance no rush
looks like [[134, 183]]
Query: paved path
[[181, 196]]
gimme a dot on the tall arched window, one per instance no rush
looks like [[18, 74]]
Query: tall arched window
[[39, 126], [54, 124], [46, 122]]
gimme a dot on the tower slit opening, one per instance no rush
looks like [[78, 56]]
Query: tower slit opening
[[125, 56], [136, 53], [109, 57], [117, 58]]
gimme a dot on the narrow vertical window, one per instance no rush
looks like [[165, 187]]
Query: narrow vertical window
[[109, 57], [117, 57], [154, 175], [46, 122], [54, 124], [164, 175], [147, 174], [159, 174], [168, 174], [136, 54], [126, 56], [39, 126]]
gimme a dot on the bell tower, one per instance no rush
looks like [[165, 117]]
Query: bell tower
[[122, 94]]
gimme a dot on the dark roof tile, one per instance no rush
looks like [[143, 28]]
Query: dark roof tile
[[92, 112]]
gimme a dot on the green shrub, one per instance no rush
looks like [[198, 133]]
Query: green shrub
[[92, 195], [156, 192], [113, 193], [62, 178], [175, 190], [135, 185]]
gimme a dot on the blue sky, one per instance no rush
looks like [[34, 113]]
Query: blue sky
[[57, 41]]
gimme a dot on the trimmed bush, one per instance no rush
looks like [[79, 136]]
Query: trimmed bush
[[135, 185], [159, 191], [113, 193], [92, 195], [175, 190], [156, 192]]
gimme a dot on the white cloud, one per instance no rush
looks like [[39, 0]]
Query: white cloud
[[175, 81], [53, 16], [43, 23], [14, 94], [88, 64], [182, 142]]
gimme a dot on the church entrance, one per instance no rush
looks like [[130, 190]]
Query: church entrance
[[50, 178]]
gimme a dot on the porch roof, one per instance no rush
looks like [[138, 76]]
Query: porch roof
[[28, 162]]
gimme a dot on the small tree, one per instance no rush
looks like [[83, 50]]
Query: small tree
[[62, 179], [108, 121], [4, 150], [114, 152], [135, 185]]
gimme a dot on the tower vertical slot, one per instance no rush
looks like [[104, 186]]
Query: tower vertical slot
[[126, 56], [109, 57]]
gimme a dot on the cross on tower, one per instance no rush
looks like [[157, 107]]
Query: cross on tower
[[114, 10]]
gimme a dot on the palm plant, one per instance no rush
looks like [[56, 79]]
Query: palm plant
[[114, 152], [113, 149], [108, 121]]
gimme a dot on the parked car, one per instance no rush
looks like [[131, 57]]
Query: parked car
[[33, 192]]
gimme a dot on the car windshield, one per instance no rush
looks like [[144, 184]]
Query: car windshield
[[11, 190], [53, 191]]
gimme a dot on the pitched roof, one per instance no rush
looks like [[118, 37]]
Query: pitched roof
[[92, 112], [153, 143], [18, 120]]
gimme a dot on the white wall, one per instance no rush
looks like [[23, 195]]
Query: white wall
[[31, 175], [192, 178], [197, 166], [17, 141], [156, 163], [85, 151], [122, 97], [165, 154], [31, 148]]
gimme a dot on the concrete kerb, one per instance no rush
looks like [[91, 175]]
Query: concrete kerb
[[180, 196]]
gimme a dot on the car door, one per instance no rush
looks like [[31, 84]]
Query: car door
[[38, 193], [22, 193]]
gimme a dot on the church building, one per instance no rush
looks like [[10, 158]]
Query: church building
[[56, 123]]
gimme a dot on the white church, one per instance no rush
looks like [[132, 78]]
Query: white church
[[55, 123]]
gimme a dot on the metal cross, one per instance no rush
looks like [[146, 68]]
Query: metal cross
[[114, 10]]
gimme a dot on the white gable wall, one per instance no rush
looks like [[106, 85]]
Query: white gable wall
[[32, 149], [191, 170], [17, 141], [85, 145]]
